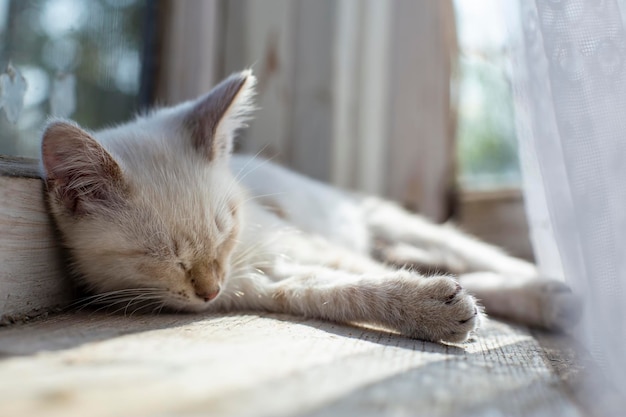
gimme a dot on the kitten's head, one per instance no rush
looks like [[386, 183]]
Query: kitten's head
[[149, 210]]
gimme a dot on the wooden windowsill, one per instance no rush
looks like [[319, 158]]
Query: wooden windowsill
[[15, 166], [32, 277], [498, 217], [95, 363], [497, 195]]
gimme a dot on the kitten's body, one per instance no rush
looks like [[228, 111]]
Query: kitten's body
[[157, 214]]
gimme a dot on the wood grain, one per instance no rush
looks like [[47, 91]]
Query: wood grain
[[31, 273], [312, 118], [420, 156], [14, 166], [102, 365], [261, 35], [189, 64], [497, 217]]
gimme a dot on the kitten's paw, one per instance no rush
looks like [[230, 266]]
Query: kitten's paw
[[532, 301], [441, 310], [561, 309]]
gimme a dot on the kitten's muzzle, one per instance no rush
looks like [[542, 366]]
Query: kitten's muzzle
[[208, 295], [206, 280]]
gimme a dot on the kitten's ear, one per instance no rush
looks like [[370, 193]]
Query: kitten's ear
[[215, 117], [80, 174]]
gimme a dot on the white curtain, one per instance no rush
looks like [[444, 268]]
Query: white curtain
[[569, 79]]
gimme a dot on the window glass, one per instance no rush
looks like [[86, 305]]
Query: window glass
[[486, 145], [78, 58]]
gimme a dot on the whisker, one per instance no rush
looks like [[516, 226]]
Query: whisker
[[108, 306], [256, 197], [159, 308], [137, 299], [145, 306], [221, 203], [99, 295], [113, 298], [252, 159], [124, 290], [129, 303]]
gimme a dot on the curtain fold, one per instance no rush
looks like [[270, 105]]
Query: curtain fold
[[569, 80]]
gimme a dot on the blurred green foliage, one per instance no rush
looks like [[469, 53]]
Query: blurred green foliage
[[97, 41], [487, 147]]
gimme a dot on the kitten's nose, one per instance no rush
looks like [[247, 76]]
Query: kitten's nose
[[207, 295]]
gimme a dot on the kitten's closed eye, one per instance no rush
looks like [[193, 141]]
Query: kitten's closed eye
[[184, 267], [220, 225], [224, 221]]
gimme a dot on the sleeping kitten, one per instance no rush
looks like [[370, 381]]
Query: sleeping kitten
[[156, 213]]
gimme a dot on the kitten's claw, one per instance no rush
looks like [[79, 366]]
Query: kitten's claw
[[441, 310]]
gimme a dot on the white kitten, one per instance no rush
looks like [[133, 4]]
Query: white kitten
[[156, 214]]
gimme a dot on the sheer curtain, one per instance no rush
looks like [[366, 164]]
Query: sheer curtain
[[569, 78]]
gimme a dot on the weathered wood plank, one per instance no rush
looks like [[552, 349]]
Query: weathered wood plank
[[261, 35], [189, 64], [14, 166], [311, 133], [102, 365], [32, 280], [420, 155], [497, 217]]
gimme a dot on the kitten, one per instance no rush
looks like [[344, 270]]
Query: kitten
[[157, 213]]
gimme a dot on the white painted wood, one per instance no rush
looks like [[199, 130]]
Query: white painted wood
[[289, 46], [32, 279], [189, 62], [260, 35], [373, 96], [394, 127], [347, 52], [420, 157], [187, 365], [311, 133], [360, 93]]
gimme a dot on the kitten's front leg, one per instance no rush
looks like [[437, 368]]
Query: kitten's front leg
[[434, 309]]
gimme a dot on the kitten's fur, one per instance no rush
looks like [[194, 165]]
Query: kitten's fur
[[156, 213]]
